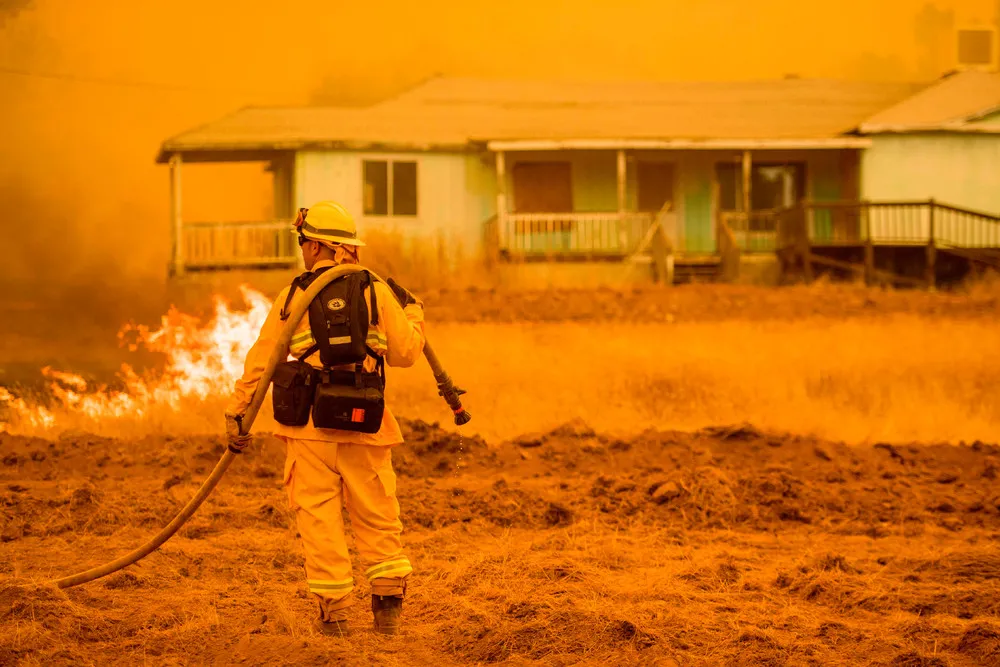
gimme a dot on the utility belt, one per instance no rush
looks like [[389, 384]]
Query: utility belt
[[346, 400]]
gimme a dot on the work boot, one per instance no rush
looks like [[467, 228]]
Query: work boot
[[333, 628], [387, 609]]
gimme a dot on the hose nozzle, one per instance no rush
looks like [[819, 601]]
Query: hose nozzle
[[451, 393], [463, 417]]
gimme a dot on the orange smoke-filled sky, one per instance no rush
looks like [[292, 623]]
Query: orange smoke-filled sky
[[90, 89]]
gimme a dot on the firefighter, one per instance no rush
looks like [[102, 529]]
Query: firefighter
[[327, 468]]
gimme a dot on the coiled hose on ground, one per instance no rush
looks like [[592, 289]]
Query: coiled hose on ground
[[300, 305]]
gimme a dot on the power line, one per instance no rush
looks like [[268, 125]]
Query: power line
[[147, 85]]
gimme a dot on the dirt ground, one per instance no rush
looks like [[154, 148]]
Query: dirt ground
[[726, 546], [572, 544]]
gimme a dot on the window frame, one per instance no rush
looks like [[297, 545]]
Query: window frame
[[390, 190], [801, 168]]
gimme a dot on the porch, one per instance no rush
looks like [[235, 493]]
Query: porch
[[698, 203], [199, 245], [905, 243]]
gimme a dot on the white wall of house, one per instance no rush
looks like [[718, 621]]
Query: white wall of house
[[452, 199], [958, 169]]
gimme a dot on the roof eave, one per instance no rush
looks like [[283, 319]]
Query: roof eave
[[678, 144], [946, 128], [356, 145]]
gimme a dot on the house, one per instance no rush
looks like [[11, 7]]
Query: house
[[561, 180], [942, 143], [929, 205]]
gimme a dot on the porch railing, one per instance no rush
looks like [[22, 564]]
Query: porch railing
[[756, 232], [209, 245], [572, 234], [886, 223], [811, 226]]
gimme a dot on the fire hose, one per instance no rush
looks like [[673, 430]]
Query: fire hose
[[300, 304]]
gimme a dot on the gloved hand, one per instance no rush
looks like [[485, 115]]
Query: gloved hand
[[237, 440], [404, 296]]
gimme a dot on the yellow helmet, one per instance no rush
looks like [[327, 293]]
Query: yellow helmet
[[327, 222]]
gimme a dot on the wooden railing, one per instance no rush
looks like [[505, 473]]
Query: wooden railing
[[572, 234], [962, 228], [928, 224], [209, 245], [756, 232], [887, 223]]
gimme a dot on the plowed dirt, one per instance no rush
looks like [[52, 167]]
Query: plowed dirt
[[722, 546]]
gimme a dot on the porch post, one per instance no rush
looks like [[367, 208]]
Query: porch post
[[621, 183], [930, 272], [747, 169], [176, 221], [622, 234], [501, 199]]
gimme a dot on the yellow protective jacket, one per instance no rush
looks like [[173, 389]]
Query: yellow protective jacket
[[398, 338]]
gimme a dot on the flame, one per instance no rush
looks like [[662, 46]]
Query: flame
[[202, 361]]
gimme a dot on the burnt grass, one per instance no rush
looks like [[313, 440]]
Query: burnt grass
[[721, 546]]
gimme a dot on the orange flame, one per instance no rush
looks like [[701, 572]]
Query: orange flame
[[202, 362]]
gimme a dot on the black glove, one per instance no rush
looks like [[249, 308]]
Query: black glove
[[238, 441], [404, 296]]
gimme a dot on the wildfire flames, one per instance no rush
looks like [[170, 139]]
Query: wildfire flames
[[201, 361]]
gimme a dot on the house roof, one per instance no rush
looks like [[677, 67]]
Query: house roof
[[447, 114], [955, 104]]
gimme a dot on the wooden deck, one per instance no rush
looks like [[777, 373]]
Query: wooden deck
[[900, 243]]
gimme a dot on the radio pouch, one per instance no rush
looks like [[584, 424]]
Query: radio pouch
[[293, 392], [350, 400]]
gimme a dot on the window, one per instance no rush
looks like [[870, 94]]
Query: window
[[376, 188], [771, 186], [404, 188], [380, 190]]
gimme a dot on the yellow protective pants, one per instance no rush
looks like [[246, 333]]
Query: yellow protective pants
[[321, 478]]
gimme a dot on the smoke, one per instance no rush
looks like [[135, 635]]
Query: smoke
[[11, 8], [90, 90], [935, 33]]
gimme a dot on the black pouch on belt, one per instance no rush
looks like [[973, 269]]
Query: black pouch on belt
[[293, 392], [350, 400]]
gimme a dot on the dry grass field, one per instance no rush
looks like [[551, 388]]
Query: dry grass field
[[610, 503]]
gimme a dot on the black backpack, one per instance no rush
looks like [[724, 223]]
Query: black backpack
[[337, 398], [338, 317]]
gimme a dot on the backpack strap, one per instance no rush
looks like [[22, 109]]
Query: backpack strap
[[374, 316], [312, 350], [371, 291], [301, 281], [359, 372], [296, 283]]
